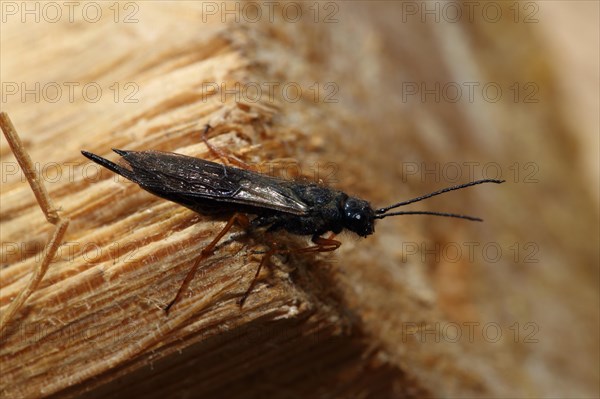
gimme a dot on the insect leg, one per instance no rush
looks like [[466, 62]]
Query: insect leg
[[239, 218], [263, 261], [220, 153], [46, 206], [322, 245]]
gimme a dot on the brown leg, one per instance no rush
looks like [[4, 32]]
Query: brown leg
[[47, 207], [263, 261], [207, 251], [323, 245], [226, 158]]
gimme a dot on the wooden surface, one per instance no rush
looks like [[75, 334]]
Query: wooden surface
[[379, 318]]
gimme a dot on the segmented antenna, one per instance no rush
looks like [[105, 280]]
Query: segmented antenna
[[381, 213]]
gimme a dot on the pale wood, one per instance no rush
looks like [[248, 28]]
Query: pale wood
[[354, 324], [45, 203], [98, 313]]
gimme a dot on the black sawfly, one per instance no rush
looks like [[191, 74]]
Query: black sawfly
[[298, 207]]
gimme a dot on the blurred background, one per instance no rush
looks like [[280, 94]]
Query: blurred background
[[393, 100]]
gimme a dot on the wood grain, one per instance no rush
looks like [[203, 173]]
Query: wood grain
[[376, 319]]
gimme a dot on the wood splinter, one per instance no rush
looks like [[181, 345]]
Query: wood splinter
[[50, 211]]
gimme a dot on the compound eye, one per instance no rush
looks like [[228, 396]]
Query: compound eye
[[358, 216]]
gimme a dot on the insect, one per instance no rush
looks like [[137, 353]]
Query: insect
[[302, 208]]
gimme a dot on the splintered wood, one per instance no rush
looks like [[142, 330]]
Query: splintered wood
[[344, 95], [50, 211], [95, 304]]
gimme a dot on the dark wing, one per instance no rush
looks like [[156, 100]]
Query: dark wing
[[168, 174]]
